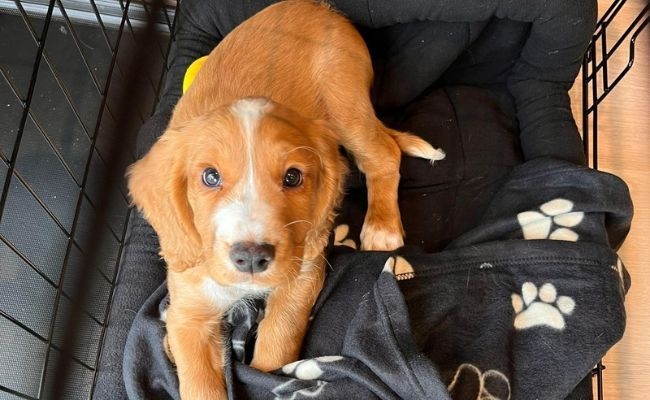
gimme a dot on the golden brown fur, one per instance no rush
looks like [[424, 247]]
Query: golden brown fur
[[317, 76]]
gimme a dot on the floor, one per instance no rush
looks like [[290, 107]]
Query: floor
[[624, 145]]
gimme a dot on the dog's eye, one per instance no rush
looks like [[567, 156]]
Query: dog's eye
[[292, 178], [211, 177]]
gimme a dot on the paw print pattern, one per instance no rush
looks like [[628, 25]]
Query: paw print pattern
[[557, 212], [398, 266], [306, 383], [308, 369], [541, 307], [295, 389], [341, 233], [470, 382]]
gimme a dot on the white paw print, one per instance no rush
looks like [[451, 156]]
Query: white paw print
[[549, 310], [306, 383], [489, 385], [308, 369], [398, 266], [341, 233], [537, 225]]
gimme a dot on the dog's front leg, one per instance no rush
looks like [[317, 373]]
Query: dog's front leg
[[281, 332], [194, 339], [382, 228]]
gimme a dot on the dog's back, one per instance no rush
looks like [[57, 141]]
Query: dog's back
[[295, 52], [309, 58]]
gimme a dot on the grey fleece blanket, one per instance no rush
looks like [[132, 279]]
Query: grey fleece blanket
[[520, 307]]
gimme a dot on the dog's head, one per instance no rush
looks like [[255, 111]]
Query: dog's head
[[247, 190]]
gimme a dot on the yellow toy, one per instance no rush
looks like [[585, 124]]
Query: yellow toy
[[191, 72]]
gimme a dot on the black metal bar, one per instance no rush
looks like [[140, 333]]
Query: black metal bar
[[101, 24], [628, 30], [126, 14], [598, 372], [585, 101], [113, 233], [4, 389], [75, 39], [154, 18], [594, 111], [601, 34], [605, 58], [25, 17], [124, 196], [46, 278], [151, 16], [85, 311], [26, 105], [47, 138], [52, 146], [634, 32], [166, 55], [107, 311], [42, 204], [609, 15], [39, 337], [27, 260], [22, 326], [630, 62]]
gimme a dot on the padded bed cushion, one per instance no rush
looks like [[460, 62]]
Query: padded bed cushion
[[494, 305]]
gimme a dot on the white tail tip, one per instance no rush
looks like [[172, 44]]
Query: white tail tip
[[417, 147]]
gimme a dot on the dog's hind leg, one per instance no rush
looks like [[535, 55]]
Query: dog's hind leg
[[377, 152], [345, 75]]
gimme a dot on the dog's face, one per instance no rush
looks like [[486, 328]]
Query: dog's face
[[248, 191]]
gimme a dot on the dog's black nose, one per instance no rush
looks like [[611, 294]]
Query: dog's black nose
[[251, 257]]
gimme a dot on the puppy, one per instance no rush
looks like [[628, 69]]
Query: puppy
[[243, 185]]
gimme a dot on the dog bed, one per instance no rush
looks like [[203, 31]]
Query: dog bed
[[508, 286]]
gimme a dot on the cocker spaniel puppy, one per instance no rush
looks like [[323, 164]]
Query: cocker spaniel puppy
[[243, 185]]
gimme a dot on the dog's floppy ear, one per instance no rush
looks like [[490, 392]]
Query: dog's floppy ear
[[158, 187], [330, 187]]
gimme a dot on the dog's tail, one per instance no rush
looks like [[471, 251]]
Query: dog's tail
[[415, 146]]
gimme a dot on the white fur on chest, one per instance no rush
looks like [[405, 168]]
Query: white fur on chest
[[224, 297]]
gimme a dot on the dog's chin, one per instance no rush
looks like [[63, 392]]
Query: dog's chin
[[228, 275]]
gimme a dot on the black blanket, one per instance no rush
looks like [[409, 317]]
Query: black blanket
[[501, 313], [508, 287]]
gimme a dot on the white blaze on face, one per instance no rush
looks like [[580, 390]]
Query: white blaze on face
[[242, 219]]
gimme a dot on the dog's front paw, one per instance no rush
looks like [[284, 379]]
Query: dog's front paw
[[265, 363], [378, 237]]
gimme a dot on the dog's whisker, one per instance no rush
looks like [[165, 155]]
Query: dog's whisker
[[298, 221], [311, 149], [298, 260], [327, 262]]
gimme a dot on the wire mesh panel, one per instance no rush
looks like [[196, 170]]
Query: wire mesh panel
[[62, 76], [609, 58]]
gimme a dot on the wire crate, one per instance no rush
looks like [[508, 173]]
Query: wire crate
[[64, 73], [607, 61], [63, 77]]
